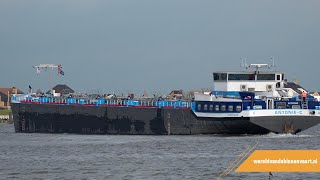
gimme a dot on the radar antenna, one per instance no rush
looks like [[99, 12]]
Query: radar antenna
[[256, 66]]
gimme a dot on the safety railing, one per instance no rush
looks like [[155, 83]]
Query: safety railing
[[103, 102]]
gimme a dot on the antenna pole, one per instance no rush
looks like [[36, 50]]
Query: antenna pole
[[272, 60]]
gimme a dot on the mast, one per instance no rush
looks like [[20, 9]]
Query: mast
[[46, 67]]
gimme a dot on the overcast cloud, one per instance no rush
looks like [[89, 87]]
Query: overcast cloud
[[137, 45]]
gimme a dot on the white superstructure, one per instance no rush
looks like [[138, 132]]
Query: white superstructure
[[253, 81]]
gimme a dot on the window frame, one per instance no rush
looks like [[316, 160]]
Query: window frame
[[205, 107], [238, 108], [217, 107], [211, 107], [223, 108], [199, 107]]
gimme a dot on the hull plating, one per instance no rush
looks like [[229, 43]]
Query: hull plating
[[49, 118]]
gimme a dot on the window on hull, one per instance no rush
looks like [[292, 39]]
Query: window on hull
[[281, 105], [199, 107], [223, 107], [238, 108], [296, 107], [211, 107], [205, 107], [217, 108]]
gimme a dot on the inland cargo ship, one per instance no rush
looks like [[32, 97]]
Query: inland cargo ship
[[244, 102]]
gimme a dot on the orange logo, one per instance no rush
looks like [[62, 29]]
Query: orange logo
[[282, 161]]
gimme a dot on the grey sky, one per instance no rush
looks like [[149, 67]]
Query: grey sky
[[136, 45]]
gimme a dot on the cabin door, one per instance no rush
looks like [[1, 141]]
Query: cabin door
[[270, 104]]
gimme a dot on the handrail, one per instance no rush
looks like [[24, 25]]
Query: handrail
[[104, 102]]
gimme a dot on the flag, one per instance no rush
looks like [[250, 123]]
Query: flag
[[60, 70], [38, 70]]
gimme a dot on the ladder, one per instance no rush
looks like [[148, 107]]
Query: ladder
[[304, 104]]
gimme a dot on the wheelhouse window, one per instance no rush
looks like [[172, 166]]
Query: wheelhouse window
[[205, 107], [238, 108], [220, 76], [199, 107], [246, 77], [278, 77], [266, 77], [223, 107], [230, 108], [258, 106], [217, 108], [211, 107]]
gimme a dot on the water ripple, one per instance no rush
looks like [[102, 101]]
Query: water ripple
[[69, 156]]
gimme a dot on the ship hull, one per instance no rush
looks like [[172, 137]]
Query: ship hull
[[57, 118], [286, 124]]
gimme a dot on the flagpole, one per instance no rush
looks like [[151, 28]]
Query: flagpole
[[50, 86]]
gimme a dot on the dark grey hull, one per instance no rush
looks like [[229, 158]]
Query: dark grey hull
[[286, 124], [48, 118]]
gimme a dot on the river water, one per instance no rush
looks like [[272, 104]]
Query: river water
[[69, 156]]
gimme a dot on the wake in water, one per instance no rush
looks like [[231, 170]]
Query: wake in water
[[274, 135], [264, 136], [279, 136]]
